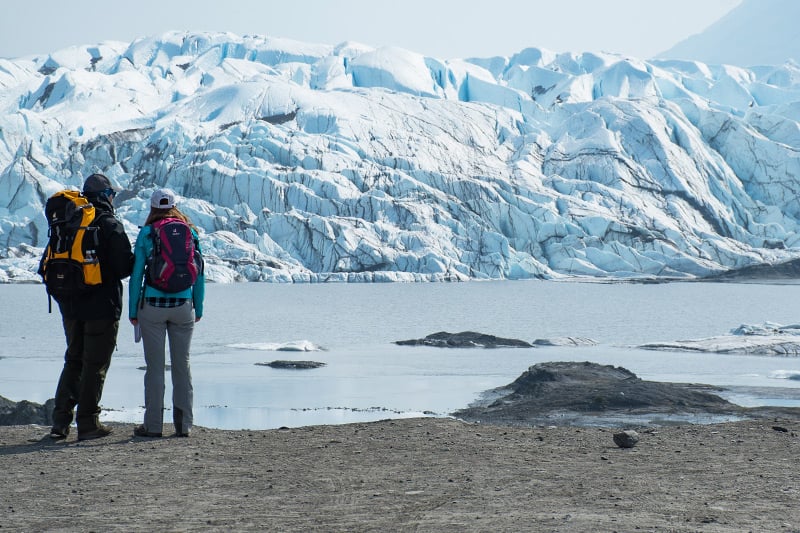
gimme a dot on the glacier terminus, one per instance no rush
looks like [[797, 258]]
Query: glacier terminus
[[304, 162]]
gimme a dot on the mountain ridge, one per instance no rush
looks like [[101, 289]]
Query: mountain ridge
[[754, 33]]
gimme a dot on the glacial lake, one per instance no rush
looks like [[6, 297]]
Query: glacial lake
[[367, 377]]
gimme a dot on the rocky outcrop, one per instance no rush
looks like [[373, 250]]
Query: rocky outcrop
[[25, 412], [593, 387], [465, 339], [570, 393]]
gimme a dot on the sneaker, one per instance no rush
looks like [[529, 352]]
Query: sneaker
[[141, 431], [59, 432], [96, 433]]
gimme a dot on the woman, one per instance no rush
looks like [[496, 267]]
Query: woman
[[159, 314]]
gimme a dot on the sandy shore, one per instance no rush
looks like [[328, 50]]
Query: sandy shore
[[406, 475]]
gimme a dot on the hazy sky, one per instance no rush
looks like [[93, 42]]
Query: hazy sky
[[440, 28]]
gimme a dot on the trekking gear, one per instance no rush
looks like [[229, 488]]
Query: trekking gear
[[97, 433], [70, 264], [163, 199], [59, 432], [141, 431], [97, 183], [176, 261]]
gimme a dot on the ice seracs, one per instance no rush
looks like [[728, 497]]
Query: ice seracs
[[313, 162]]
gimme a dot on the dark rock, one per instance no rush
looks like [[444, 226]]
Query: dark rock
[[280, 118], [293, 365], [465, 339], [25, 412], [626, 439], [566, 392]]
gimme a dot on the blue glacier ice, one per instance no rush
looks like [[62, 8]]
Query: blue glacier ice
[[305, 162]]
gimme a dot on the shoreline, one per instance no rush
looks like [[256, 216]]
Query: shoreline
[[419, 474]]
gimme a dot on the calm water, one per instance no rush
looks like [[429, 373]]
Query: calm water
[[366, 377]]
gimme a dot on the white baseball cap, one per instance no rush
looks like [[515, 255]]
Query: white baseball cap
[[163, 199]]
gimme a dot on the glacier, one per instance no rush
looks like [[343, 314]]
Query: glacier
[[304, 162]]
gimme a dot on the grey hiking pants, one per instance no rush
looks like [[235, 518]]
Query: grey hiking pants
[[158, 324]]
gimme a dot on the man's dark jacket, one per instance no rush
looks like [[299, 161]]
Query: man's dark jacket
[[116, 263]]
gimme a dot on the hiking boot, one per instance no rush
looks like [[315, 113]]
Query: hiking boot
[[96, 433], [141, 431], [59, 432]]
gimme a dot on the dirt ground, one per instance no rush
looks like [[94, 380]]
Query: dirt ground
[[424, 474]]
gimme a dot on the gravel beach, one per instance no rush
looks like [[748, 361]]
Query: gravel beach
[[422, 474]]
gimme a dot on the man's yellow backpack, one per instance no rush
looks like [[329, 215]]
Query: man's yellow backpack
[[70, 264]]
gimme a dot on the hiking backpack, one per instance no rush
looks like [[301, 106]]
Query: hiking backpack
[[70, 264], [176, 261]]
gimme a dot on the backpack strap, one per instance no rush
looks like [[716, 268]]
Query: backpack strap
[[40, 271], [141, 292]]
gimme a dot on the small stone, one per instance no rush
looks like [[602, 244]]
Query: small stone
[[626, 439]]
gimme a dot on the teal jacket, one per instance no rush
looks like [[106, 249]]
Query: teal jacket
[[141, 251]]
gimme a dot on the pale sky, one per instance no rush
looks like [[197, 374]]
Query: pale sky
[[445, 29]]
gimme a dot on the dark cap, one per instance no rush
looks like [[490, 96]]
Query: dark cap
[[97, 183]]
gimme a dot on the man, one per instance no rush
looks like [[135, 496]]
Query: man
[[91, 322]]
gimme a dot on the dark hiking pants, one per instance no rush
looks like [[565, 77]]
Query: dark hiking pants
[[90, 344]]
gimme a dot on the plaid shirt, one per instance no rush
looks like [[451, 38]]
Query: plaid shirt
[[166, 302]]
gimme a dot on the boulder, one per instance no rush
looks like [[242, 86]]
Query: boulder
[[626, 439], [25, 412]]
